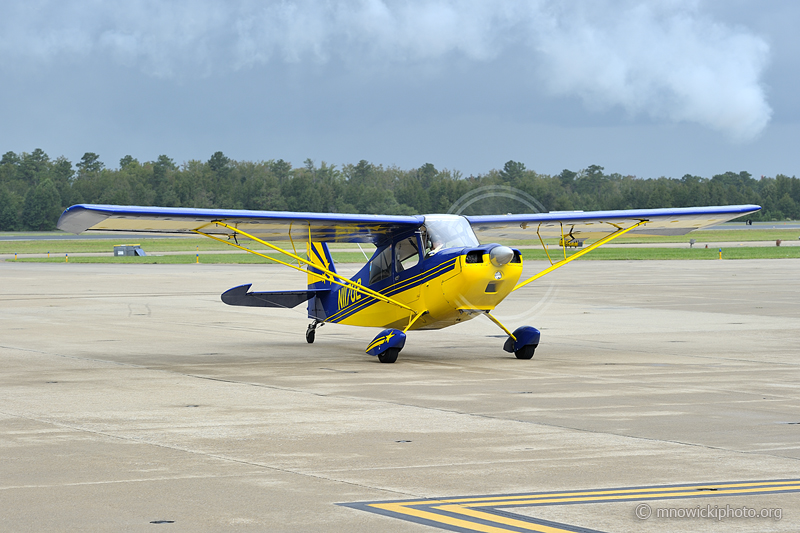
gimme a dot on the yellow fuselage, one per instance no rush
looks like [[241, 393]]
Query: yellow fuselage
[[458, 294]]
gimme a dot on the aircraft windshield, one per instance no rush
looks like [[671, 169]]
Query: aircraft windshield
[[447, 231]]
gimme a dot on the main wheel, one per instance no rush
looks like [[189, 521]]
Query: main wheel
[[389, 356], [526, 352], [310, 334]]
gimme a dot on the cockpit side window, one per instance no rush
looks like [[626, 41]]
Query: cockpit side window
[[406, 254], [380, 267]]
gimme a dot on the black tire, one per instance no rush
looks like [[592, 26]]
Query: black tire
[[526, 352], [310, 334], [389, 356]]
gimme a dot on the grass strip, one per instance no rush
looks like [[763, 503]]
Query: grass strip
[[166, 244], [700, 237], [607, 254], [645, 254], [202, 244], [205, 258]]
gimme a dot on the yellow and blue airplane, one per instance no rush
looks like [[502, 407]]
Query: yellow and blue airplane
[[427, 272]]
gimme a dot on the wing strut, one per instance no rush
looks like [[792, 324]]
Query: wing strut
[[327, 275], [601, 242], [545, 247]]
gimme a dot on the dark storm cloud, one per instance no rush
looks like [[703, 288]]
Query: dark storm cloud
[[665, 61]]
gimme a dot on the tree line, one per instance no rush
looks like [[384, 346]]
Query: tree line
[[35, 189]]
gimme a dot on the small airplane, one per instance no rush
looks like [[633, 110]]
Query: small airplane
[[427, 272]]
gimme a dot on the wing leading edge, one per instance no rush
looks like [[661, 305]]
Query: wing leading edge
[[267, 225], [334, 227], [595, 224]]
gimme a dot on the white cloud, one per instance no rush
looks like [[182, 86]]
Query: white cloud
[[663, 59]]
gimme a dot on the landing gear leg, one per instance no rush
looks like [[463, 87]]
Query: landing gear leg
[[312, 330], [522, 343]]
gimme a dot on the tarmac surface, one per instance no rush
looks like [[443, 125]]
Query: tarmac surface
[[132, 399]]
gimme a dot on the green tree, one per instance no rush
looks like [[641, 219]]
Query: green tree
[[163, 168], [62, 174], [427, 174], [127, 160], [9, 171], [567, 177], [90, 164], [218, 162], [281, 169], [787, 207], [10, 158], [512, 171], [33, 166], [412, 188], [360, 188], [9, 165], [590, 181], [42, 207], [9, 210]]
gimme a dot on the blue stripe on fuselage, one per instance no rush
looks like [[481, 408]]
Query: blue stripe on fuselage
[[447, 264]]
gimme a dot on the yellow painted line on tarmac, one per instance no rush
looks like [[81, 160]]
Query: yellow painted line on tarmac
[[506, 521], [483, 514], [436, 517]]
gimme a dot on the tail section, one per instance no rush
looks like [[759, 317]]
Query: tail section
[[319, 255]]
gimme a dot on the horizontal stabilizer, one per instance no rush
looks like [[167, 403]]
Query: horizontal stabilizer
[[286, 299]]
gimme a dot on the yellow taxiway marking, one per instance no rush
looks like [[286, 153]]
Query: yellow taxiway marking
[[480, 513]]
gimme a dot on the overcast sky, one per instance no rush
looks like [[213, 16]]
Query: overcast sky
[[655, 88]]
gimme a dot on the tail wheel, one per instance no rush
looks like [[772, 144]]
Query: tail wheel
[[311, 332], [526, 352], [389, 356]]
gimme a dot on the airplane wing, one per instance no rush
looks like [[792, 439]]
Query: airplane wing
[[266, 225], [333, 227], [597, 224]]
